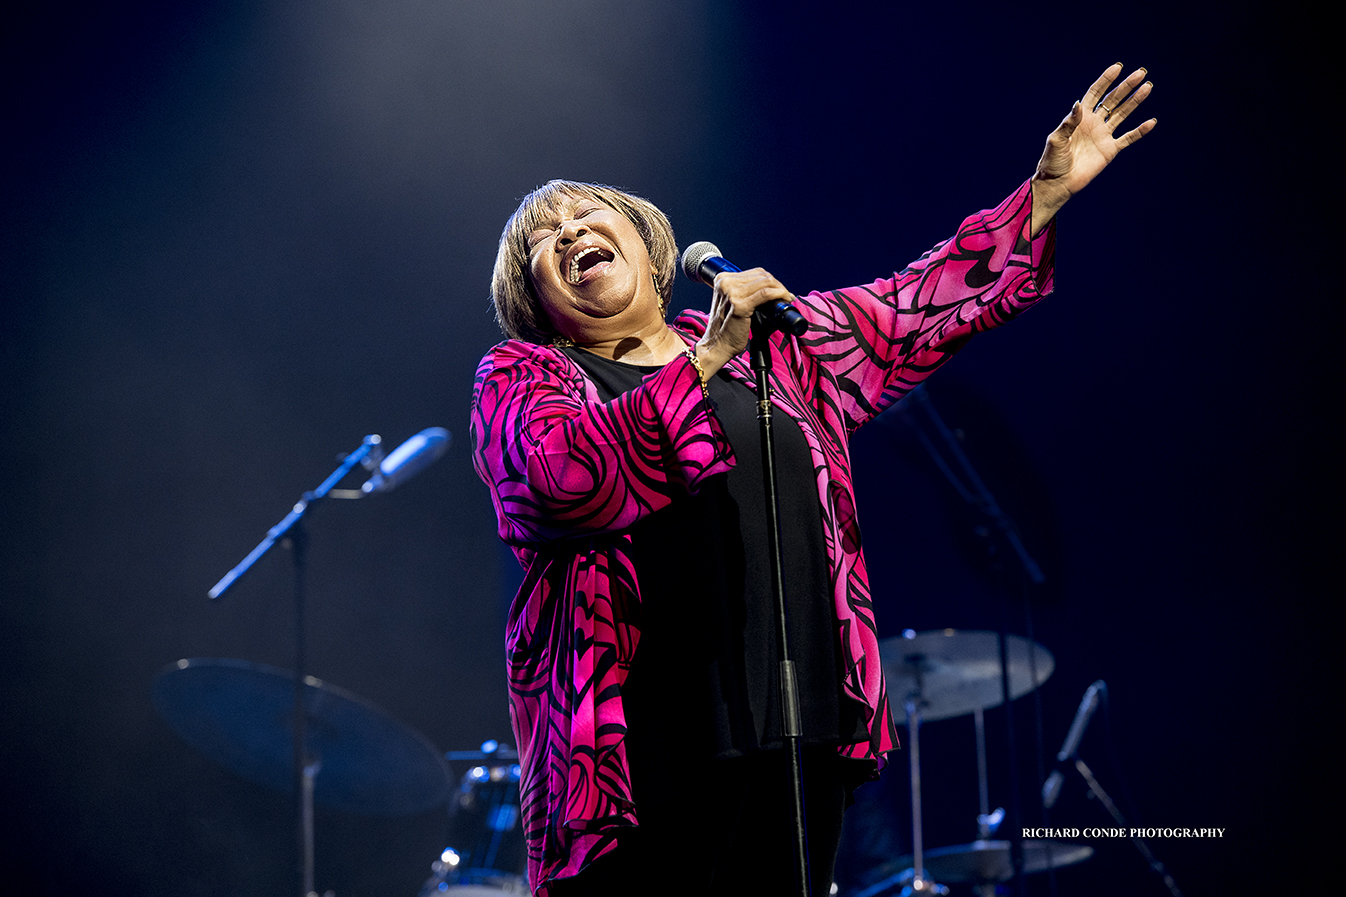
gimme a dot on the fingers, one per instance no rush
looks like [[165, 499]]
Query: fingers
[[1117, 99], [1129, 105], [1135, 134], [737, 294], [1068, 124], [746, 290], [1055, 159], [1100, 86]]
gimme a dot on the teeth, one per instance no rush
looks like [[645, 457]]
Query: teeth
[[574, 273]]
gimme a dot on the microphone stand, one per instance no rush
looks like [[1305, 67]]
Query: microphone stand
[[791, 733], [291, 528], [1157, 867]]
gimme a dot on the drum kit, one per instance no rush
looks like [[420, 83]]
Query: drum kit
[[950, 673], [361, 759], [240, 715], [325, 746], [295, 733]]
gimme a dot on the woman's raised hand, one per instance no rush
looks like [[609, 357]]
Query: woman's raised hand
[[1083, 144]]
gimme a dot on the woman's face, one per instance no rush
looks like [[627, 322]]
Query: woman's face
[[591, 271]]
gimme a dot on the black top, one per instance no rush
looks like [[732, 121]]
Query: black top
[[704, 679]]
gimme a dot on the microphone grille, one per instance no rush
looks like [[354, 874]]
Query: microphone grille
[[694, 255]]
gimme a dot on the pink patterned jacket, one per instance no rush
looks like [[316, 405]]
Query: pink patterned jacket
[[569, 474]]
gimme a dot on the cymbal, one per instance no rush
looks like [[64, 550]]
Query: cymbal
[[983, 861], [959, 670], [240, 714]]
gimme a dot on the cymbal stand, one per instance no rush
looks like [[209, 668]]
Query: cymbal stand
[[917, 883], [291, 530], [987, 822], [973, 490]]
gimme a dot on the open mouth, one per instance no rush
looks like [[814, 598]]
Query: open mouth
[[586, 260]]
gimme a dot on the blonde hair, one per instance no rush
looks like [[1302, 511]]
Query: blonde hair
[[517, 307]]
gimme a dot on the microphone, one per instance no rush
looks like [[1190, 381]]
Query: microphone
[[702, 261], [408, 459], [1051, 789]]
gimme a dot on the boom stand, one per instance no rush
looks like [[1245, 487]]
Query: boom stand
[[291, 528], [789, 690], [1156, 866]]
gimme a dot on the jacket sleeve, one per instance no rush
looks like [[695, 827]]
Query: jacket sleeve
[[560, 465], [879, 341]]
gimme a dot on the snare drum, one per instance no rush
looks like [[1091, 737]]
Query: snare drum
[[486, 853]]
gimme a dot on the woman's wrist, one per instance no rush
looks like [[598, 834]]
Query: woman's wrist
[[700, 369], [708, 362], [1047, 201]]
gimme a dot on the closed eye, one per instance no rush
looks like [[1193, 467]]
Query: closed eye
[[541, 234]]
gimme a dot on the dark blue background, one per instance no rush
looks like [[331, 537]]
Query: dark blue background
[[239, 237]]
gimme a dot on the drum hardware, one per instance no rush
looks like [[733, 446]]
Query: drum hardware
[[960, 669], [1001, 541], [943, 674], [913, 880], [238, 714], [357, 757], [489, 750], [486, 856], [985, 861]]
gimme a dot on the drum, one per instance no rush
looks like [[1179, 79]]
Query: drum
[[486, 853]]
